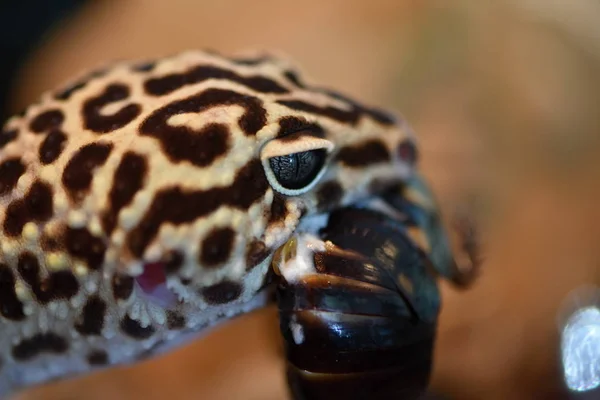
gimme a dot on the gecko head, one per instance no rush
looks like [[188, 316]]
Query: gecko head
[[207, 241], [304, 171]]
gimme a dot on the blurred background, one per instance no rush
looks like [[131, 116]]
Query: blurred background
[[504, 96]]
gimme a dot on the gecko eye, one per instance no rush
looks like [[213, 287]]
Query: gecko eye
[[298, 170], [294, 163]]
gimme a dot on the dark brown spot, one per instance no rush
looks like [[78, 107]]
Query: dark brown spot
[[348, 117], [128, 180], [98, 122], [78, 173], [97, 358], [329, 195], [249, 185], [40, 343], [351, 116], [39, 201], [10, 172], [36, 206], [80, 243], [57, 285], [217, 247], [366, 153], [378, 115], [134, 329], [29, 269], [294, 78], [256, 252], [10, 305], [52, 146], [290, 125], [169, 83], [173, 261], [91, 320], [67, 92], [47, 120], [202, 147], [175, 320], [60, 285], [7, 136], [222, 293], [278, 211], [122, 286]]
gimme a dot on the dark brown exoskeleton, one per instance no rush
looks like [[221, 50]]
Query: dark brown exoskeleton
[[362, 323]]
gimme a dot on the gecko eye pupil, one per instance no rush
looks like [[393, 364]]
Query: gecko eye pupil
[[298, 170]]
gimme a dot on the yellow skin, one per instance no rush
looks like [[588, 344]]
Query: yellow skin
[[139, 206]]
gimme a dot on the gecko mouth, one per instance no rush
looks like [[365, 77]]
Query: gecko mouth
[[153, 284]]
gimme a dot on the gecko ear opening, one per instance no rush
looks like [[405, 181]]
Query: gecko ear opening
[[294, 163]]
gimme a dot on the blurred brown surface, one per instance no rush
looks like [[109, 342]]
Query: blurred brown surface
[[504, 97]]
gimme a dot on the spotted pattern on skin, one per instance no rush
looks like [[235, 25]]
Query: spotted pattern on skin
[[59, 284], [136, 210], [171, 82], [122, 286], [35, 206], [222, 293], [369, 152], [78, 84], [289, 125], [39, 343], [47, 120], [135, 329], [7, 136], [97, 358], [10, 172], [92, 317], [175, 320], [78, 174], [97, 122], [128, 180], [52, 146], [11, 307], [217, 247]]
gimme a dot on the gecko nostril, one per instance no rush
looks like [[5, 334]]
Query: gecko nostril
[[407, 151]]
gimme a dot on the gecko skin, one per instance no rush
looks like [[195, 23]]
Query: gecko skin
[[143, 204]]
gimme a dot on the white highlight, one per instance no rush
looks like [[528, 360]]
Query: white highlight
[[580, 347], [302, 264], [297, 331]]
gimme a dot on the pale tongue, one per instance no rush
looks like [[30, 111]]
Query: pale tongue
[[153, 282]]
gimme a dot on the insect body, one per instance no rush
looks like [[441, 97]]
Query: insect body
[[358, 299], [143, 203]]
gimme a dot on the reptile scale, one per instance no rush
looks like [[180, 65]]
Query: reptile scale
[[146, 202]]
